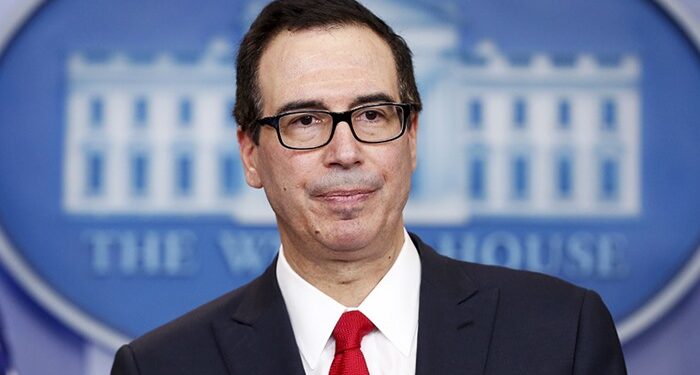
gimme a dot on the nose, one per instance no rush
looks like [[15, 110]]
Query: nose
[[344, 150]]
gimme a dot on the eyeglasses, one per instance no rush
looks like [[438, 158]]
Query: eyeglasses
[[309, 129]]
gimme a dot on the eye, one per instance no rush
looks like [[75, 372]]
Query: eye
[[302, 120], [371, 115], [306, 120]]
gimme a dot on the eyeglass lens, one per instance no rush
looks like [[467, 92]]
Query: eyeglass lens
[[314, 128]]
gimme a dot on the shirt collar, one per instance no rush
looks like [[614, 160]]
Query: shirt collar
[[392, 305]]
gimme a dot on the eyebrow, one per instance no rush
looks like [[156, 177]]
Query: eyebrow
[[317, 104], [371, 98], [301, 104]]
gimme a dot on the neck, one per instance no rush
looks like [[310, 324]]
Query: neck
[[348, 279]]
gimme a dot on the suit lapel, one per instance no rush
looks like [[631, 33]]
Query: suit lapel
[[454, 330], [455, 317], [258, 337]]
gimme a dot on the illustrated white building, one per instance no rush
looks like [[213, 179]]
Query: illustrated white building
[[534, 136], [155, 136], [531, 136]]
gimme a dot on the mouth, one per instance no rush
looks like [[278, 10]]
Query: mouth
[[345, 194], [342, 196]]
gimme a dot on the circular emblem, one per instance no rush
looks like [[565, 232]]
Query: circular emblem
[[556, 137]]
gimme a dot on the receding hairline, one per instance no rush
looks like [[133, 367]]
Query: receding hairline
[[264, 48], [321, 28]]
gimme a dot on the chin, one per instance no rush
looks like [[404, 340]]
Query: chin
[[347, 237]]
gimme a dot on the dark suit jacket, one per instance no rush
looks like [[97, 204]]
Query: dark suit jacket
[[473, 319]]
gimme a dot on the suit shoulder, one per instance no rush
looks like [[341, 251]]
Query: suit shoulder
[[194, 327], [520, 285], [507, 280], [546, 322]]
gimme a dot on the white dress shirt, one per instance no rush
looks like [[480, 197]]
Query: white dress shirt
[[392, 306]]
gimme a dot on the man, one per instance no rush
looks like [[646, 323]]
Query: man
[[328, 112]]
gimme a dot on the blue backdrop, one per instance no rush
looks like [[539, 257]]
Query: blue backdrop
[[556, 137]]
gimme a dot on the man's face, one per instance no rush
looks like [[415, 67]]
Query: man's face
[[346, 195]]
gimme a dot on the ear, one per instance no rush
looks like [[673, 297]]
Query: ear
[[413, 139], [249, 156]]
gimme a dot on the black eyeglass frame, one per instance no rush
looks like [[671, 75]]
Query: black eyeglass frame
[[337, 117]]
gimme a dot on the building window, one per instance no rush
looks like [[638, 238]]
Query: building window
[[609, 179], [477, 178], [183, 175], [229, 174], [520, 177], [94, 173], [185, 111], [140, 111], [96, 112], [519, 113], [139, 174], [564, 177], [564, 114], [475, 114], [609, 114]]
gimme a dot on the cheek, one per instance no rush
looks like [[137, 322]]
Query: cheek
[[405, 167], [284, 174], [397, 169]]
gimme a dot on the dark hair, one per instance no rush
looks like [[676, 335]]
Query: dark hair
[[295, 15]]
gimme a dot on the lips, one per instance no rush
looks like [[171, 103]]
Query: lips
[[345, 196], [345, 190]]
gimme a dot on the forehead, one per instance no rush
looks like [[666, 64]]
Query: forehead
[[331, 65]]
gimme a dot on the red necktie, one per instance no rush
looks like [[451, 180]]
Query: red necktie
[[348, 333]]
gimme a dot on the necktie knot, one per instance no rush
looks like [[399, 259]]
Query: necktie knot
[[350, 329]]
